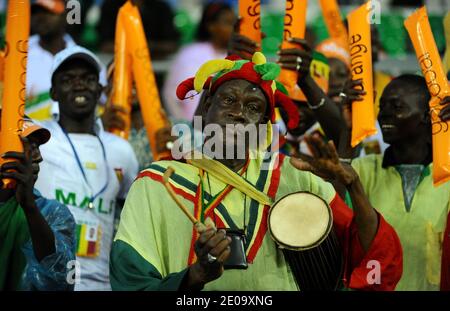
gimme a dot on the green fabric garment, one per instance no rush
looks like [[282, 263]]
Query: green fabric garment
[[13, 235], [131, 272], [421, 229], [155, 228]]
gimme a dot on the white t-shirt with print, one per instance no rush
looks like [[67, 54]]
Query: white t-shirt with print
[[60, 178]]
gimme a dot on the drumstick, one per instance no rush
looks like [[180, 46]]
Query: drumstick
[[197, 224]]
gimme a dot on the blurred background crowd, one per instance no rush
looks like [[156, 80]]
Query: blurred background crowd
[[182, 35], [171, 25]]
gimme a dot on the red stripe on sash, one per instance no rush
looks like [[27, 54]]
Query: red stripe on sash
[[192, 257], [259, 236], [219, 223], [159, 178], [275, 180], [273, 187]]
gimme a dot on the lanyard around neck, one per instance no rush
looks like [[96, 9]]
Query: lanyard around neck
[[80, 166], [205, 210]]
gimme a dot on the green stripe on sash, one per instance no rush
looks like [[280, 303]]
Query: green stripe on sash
[[254, 205], [176, 178]]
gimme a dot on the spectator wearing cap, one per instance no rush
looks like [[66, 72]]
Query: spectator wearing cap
[[84, 167], [37, 234]]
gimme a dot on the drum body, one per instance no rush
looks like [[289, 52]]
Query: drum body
[[301, 224]]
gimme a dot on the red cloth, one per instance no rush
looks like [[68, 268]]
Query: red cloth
[[385, 249]]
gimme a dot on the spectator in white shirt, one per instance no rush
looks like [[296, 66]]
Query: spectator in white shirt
[[84, 167]]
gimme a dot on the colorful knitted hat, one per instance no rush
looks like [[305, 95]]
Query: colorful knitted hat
[[257, 71]]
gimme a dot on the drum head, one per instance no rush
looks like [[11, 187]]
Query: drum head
[[300, 221]]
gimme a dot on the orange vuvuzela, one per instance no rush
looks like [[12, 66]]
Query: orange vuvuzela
[[149, 100], [432, 68], [250, 15], [333, 20], [122, 80], [363, 112], [294, 27], [15, 73]]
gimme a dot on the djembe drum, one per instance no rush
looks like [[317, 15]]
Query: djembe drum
[[301, 224]]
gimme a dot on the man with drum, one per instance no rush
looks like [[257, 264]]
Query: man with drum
[[157, 248]]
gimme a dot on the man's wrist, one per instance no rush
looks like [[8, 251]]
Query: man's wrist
[[346, 160], [349, 176], [343, 97], [195, 281], [316, 106], [350, 182], [29, 208]]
